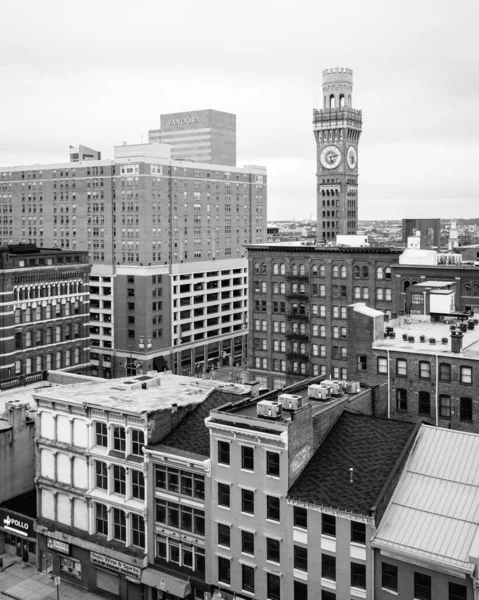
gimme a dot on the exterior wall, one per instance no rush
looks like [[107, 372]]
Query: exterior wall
[[282, 279], [406, 570]]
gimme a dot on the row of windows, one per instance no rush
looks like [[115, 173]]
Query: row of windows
[[320, 270], [119, 530], [180, 482], [119, 482], [118, 438], [247, 458], [445, 369], [181, 553], [444, 401], [422, 584], [52, 360], [180, 516]]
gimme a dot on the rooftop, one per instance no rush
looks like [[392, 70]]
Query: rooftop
[[370, 446], [434, 511], [192, 435], [417, 326], [307, 247], [126, 394]]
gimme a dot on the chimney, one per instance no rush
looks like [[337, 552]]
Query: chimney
[[17, 413], [456, 341]]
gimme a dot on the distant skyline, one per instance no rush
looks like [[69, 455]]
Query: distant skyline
[[100, 73]]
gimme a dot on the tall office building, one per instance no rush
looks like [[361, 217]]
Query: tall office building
[[169, 277], [337, 129], [207, 136]]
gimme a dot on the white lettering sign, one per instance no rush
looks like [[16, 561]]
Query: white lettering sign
[[116, 565], [58, 545], [15, 525], [183, 121]]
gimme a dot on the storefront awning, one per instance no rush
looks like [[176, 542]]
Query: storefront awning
[[168, 583]]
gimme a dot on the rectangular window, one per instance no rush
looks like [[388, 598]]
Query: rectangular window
[[101, 475], [101, 519], [457, 591], [422, 587], [401, 367], [272, 508], [389, 577], [300, 591], [300, 517], [138, 530], [101, 434], [328, 524], [137, 442], [223, 495], [247, 458], [160, 477], [224, 535], [424, 403], [272, 464], [466, 375], [273, 586], [328, 567], [247, 502], [445, 406], [224, 570], [119, 525], [362, 362], [424, 370], [223, 453], [358, 575], [401, 399], [465, 410], [301, 558], [119, 480], [247, 542], [444, 372], [273, 550], [137, 484], [119, 438], [248, 578]]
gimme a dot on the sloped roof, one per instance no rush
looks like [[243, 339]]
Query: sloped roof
[[370, 446], [434, 511]]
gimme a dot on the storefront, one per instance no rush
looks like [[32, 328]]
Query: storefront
[[112, 577], [17, 532], [164, 586]]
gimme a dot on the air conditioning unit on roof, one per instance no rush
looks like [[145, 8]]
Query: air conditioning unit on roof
[[353, 387], [269, 409], [290, 401], [334, 386]]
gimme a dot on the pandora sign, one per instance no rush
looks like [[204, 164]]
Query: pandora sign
[[183, 121]]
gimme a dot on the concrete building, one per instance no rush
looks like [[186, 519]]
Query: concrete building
[[153, 228], [205, 136], [45, 312], [337, 129], [427, 543], [298, 302], [81, 153]]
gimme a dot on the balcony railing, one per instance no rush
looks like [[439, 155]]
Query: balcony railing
[[297, 316]]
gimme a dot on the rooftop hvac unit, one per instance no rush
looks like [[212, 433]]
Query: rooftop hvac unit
[[324, 392], [353, 387], [269, 409], [314, 391], [290, 401], [334, 386], [343, 384]]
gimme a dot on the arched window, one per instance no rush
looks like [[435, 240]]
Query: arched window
[[335, 271], [356, 272], [414, 282], [475, 289], [343, 272], [282, 269], [467, 289], [314, 269], [256, 268], [341, 100], [322, 271], [302, 269], [406, 284], [294, 269], [387, 272], [379, 273], [263, 269], [275, 268], [365, 272], [332, 101]]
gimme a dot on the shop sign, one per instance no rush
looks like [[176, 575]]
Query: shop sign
[[116, 565], [184, 121], [17, 524], [58, 545]]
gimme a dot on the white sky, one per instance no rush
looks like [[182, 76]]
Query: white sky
[[99, 72]]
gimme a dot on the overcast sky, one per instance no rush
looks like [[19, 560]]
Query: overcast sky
[[101, 72]]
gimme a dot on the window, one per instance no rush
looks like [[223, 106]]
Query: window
[[424, 403], [328, 567], [389, 577], [300, 591], [224, 453], [119, 438], [444, 372], [101, 475], [382, 364], [138, 530], [223, 495], [101, 434], [224, 535], [247, 458], [300, 517], [247, 542], [457, 591], [465, 409], [119, 480], [362, 362], [248, 578], [137, 484], [101, 519], [328, 525], [401, 367], [272, 508], [466, 375], [445, 406], [224, 570], [137, 442], [358, 575], [424, 370], [422, 587], [325, 595], [401, 399], [273, 550], [247, 501], [273, 586], [272, 464], [301, 558], [119, 525]]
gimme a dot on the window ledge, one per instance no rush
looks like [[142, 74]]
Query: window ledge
[[389, 591]]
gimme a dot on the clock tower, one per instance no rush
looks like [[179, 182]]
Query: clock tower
[[337, 129]]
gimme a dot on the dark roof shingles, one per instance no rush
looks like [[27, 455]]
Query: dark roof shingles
[[370, 445]]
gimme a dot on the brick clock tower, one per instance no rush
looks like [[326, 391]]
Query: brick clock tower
[[337, 129]]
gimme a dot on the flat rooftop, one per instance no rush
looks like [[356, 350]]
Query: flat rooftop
[[125, 394], [418, 326]]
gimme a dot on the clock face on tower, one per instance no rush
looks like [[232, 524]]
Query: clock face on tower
[[352, 157], [330, 157]]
